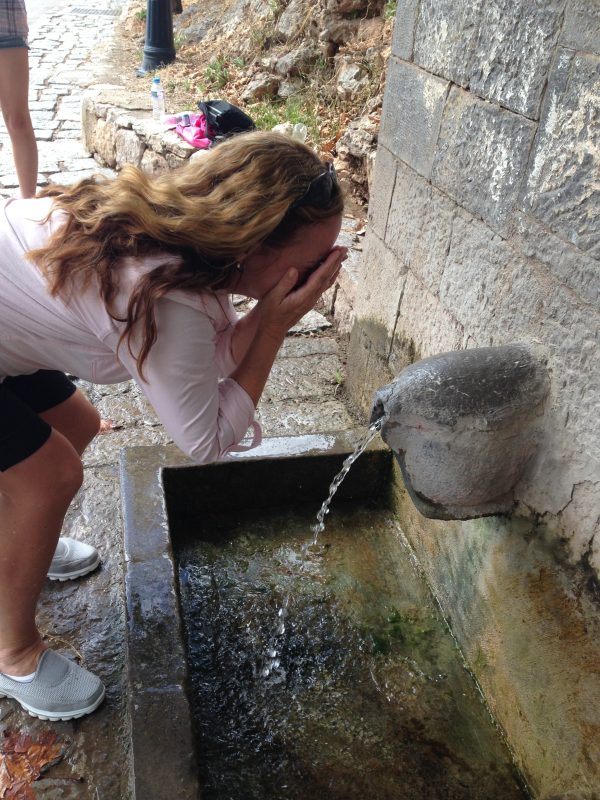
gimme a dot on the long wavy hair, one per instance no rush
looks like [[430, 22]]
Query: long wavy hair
[[207, 214]]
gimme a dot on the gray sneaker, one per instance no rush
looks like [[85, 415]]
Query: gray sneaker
[[72, 559], [60, 689]]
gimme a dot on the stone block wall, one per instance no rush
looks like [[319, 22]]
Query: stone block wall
[[485, 220], [117, 129], [484, 229]]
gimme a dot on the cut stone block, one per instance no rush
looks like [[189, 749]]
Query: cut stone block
[[501, 50], [382, 286], [481, 156], [384, 177], [404, 29], [445, 38], [581, 26], [419, 226], [424, 319], [562, 187], [479, 272], [577, 270], [412, 112]]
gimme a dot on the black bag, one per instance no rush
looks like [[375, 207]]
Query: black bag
[[224, 119]]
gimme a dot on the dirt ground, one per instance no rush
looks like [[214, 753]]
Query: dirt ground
[[210, 66]]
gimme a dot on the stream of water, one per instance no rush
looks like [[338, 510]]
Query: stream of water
[[335, 483], [272, 668]]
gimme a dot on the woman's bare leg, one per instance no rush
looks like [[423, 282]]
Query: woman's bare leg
[[34, 497], [14, 102], [76, 418]]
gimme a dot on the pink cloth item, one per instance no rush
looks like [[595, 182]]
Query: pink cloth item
[[196, 133]]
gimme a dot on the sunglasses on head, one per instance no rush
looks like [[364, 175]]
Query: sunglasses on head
[[320, 189]]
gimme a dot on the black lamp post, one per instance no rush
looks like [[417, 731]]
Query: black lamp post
[[159, 48]]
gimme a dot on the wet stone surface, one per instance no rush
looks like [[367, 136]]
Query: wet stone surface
[[294, 417]]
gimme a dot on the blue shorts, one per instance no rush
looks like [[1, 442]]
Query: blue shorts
[[13, 41], [22, 399]]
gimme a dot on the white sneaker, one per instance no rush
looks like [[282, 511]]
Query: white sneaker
[[72, 559]]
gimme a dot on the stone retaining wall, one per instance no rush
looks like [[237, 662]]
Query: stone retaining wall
[[484, 219], [117, 129], [484, 231]]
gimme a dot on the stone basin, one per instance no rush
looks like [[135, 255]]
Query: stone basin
[[368, 694]]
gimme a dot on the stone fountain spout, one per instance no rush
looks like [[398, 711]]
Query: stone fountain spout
[[464, 426]]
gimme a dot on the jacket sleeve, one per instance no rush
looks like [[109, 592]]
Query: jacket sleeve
[[204, 416]]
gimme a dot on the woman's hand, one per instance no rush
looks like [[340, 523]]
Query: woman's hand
[[289, 300], [276, 312]]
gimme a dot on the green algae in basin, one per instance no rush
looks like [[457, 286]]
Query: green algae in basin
[[366, 697]]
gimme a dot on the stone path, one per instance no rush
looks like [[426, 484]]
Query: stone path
[[86, 619], [66, 51]]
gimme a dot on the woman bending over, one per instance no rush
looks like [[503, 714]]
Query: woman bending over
[[130, 278]]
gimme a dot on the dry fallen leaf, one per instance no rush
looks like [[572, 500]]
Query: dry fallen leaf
[[23, 759], [329, 145], [108, 425]]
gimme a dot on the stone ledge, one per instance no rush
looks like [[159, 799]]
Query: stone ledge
[[117, 129]]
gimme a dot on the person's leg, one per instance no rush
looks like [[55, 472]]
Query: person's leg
[[40, 473], [35, 493], [79, 422], [14, 102], [56, 400], [34, 497], [50, 400], [76, 418]]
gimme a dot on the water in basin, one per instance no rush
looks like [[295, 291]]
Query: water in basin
[[368, 697]]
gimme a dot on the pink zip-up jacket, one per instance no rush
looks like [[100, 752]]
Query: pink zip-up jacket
[[205, 412]]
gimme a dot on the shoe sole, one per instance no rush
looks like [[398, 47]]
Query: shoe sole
[[69, 576], [57, 717]]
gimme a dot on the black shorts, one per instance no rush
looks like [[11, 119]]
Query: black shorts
[[22, 398]]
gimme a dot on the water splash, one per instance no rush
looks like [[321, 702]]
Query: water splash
[[273, 668]]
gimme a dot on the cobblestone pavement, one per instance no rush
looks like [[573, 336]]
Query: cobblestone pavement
[[67, 50], [86, 619]]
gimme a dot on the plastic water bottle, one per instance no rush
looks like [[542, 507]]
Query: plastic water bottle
[[158, 99]]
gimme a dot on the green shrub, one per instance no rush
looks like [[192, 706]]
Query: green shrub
[[266, 114], [216, 72], [389, 9]]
